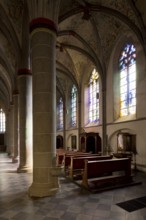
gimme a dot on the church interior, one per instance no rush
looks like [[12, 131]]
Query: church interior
[[72, 109]]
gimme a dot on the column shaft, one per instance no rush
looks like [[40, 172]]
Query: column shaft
[[25, 121], [15, 147], [43, 42], [10, 131]]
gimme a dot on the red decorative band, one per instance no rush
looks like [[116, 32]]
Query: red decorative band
[[24, 72], [15, 92], [42, 23]]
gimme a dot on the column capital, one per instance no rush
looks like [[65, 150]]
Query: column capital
[[43, 23], [15, 92], [24, 72]]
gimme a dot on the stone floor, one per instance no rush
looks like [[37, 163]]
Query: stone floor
[[70, 203]]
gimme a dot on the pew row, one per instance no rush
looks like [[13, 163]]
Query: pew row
[[59, 156], [68, 156], [63, 156], [59, 159], [77, 164], [100, 175]]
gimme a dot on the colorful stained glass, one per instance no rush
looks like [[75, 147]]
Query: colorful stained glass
[[2, 121], [127, 66], [93, 107], [74, 106], [60, 114]]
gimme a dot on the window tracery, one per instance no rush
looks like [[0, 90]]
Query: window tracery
[[74, 106], [127, 66], [2, 121], [93, 111]]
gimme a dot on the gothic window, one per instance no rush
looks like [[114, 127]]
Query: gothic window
[[60, 114], [127, 67], [74, 106], [2, 121], [93, 107]]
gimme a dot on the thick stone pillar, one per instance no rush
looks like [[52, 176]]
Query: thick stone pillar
[[43, 45], [25, 120], [15, 147]]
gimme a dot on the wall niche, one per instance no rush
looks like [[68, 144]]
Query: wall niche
[[126, 145], [90, 142]]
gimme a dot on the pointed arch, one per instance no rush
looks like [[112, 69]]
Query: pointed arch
[[73, 106], [93, 101], [127, 71]]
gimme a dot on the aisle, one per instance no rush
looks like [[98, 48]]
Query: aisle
[[70, 203]]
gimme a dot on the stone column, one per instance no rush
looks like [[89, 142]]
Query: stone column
[[43, 47], [7, 131], [79, 116], [24, 81], [104, 129], [25, 120], [44, 17], [64, 119], [15, 147], [10, 129]]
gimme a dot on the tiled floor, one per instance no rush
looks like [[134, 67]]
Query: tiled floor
[[70, 203]]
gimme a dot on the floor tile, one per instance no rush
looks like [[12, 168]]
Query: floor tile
[[70, 203]]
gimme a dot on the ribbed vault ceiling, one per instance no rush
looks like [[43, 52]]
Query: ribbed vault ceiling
[[87, 33]]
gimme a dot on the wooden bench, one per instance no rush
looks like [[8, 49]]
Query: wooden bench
[[95, 173], [61, 153], [68, 156], [77, 164], [59, 156]]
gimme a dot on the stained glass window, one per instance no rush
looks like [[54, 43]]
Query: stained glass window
[[74, 106], [60, 114], [93, 111], [2, 121], [127, 66]]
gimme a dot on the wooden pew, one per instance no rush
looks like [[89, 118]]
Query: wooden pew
[[95, 173], [77, 163], [67, 158], [59, 159], [59, 156]]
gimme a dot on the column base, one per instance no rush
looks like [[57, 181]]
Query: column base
[[43, 190], [24, 169], [14, 159], [57, 171]]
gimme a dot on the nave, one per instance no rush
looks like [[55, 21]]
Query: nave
[[70, 203]]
